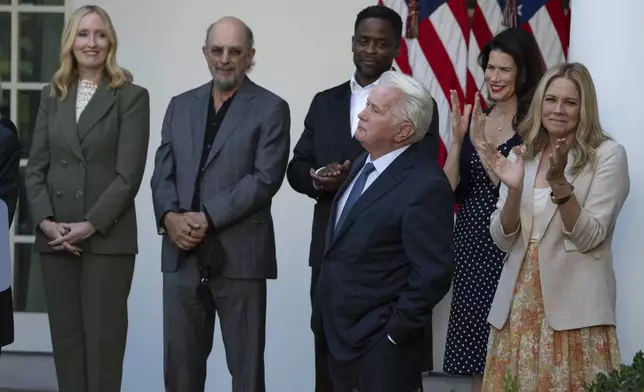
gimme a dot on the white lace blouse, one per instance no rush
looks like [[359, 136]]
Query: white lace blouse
[[86, 90]]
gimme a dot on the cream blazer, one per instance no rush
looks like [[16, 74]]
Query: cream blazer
[[576, 268]]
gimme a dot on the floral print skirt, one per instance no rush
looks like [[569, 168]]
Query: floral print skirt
[[536, 358]]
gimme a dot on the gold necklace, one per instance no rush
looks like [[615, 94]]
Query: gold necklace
[[499, 123]]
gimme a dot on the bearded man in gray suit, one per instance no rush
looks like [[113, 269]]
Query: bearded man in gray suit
[[223, 156]]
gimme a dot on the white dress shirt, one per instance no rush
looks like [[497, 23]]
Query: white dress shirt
[[359, 97]]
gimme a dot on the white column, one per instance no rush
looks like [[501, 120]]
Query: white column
[[607, 38]]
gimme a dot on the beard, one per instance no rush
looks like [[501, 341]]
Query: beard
[[372, 71], [227, 84]]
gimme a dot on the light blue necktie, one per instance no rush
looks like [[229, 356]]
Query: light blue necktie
[[356, 191]]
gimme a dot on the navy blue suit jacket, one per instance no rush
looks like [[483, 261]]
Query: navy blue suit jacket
[[392, 259]]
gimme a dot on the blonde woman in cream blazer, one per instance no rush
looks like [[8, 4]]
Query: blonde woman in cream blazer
[[553, 314]]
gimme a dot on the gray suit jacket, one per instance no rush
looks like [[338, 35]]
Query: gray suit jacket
[[244, 170]]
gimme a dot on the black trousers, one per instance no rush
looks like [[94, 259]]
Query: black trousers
[[323, 381], [386, 367]]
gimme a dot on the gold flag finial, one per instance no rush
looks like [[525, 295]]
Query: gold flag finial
[[412, 19], [510, 14]]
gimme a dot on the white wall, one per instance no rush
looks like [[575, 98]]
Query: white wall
[[302, 47], [608, 41]]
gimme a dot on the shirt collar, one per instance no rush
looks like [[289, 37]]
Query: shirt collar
[[353, 83], [384, 161]]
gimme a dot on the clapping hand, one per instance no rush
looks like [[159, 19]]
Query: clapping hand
[[459, 121], [509, 172], [558, 161], [477, 128]]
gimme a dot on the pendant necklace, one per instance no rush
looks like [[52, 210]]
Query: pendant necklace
[[499, 124]]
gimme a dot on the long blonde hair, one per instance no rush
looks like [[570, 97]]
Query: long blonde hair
[[588, 134], [68, 71]]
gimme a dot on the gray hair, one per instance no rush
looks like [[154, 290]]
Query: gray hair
[[250, 38], [417, 106]]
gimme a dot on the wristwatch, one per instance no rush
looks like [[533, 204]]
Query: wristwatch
[[562, 200]]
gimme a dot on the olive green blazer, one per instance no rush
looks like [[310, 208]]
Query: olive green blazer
[[90, 170]]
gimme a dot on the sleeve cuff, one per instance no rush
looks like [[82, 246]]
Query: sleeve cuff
[[515, 232], [574, 228], [211, 225], [162, 228]]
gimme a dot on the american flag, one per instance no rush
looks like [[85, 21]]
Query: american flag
[[438, 56], [440, 48], [544, 19]]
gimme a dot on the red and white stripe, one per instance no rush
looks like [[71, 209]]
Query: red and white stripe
[[445, 54], [438, 57]]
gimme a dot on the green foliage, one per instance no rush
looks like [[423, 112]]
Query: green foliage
[[416, 390], [628, 378], [510, 383]]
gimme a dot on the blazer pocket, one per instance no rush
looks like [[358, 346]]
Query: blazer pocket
[[571, 247]]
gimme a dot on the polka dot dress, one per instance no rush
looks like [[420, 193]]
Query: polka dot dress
[[478, 268]]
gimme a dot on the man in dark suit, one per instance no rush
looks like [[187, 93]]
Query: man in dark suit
[[388, 258], [222, 158], [328, 137]]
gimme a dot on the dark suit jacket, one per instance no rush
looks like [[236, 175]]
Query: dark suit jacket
[[9, 178], [244, 170], [90, 170], [9, 165], [327, 139], [391, 260]]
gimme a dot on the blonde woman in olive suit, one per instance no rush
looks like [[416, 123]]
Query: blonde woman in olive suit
[[86, 164]]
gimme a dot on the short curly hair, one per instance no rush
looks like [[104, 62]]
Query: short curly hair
[[384, 13]]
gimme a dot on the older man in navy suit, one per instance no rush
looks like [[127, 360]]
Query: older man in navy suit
[[389, 256]]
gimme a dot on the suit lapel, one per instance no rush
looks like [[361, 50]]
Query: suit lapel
[[527, 199], [355, 168], [238, 108], [199, 115], [68, 122], [527, 204], [551, 208], [341, 107], [385, 182], [100, 103]]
